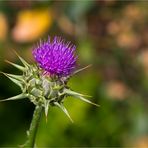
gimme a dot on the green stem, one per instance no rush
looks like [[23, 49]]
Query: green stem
[[33, 127]]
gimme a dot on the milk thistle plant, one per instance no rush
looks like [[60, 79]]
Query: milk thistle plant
[[44, 83]]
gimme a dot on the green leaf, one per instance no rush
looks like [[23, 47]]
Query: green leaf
[[73, 93], [17, 82], [79, 96], [22, 60], [16, 65], [46, 105], [17, 77], [61, 106], [18, 97], [86, 100]]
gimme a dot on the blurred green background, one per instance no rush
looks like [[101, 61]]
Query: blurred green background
[[109, 34]]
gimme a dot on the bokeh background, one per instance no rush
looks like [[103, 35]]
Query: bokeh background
[[109, 34]]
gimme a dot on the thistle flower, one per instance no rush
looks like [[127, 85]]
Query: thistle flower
[[56, 57], [45, 82]]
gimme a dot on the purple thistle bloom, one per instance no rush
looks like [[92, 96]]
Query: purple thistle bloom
[[56, 57]]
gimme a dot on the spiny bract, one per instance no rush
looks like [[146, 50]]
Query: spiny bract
[[45, 82]]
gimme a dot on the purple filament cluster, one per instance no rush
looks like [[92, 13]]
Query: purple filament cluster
[[56, 57]]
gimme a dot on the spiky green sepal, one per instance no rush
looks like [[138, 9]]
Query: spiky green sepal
[[42, 89]]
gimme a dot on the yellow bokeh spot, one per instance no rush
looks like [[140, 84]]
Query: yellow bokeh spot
[[3, 27], [32, 24]]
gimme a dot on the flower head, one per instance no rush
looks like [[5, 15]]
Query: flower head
[[56, 57]]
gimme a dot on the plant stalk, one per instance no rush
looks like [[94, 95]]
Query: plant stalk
[[33, 127]]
